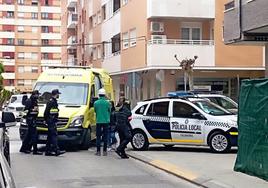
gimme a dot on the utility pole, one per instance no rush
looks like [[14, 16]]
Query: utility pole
[[187, 66]]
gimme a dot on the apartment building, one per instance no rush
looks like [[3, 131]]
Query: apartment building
[[29, 31], [136, 40]]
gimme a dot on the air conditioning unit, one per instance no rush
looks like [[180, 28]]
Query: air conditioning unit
[[157, 27], [159, 39]]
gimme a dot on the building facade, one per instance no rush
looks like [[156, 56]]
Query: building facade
[[30, 31], [136, 41]]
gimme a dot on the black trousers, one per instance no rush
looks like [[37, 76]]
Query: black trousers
[[30, 139], [125, 137], [52, 137]]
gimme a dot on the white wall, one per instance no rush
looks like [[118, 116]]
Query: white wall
[[7, 35], [7, 48], [163, 55], [52, 36], [112, 64], [181, 8], [50, 49]]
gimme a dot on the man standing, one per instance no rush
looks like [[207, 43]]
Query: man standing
[[51, 115], [122, 116], [102, 109], [31, 110]]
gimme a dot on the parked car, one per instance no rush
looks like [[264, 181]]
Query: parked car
[[6, 178], [185, 120], [15, 106], [223, 101]]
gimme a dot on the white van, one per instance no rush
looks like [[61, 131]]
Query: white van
[[186, 121]]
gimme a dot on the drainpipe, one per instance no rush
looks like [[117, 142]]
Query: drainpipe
[[240, 18]]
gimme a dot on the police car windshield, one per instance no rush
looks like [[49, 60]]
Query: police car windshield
[[71, 93], [211, 108]]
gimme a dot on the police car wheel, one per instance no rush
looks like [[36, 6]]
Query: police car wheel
[[219, 143], [139, 141]]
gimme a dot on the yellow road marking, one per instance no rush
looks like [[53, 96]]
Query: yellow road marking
[[173, 169]]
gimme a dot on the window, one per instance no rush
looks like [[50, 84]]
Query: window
[[21, 55], [104, 12], [44, 15], [45, 56], [10, 14], [9, 28], [99, 51], [133, 37], [27, 69], [28, 82], [35, 2], [45, 29], [183, 110], [34, 69], [20, 2], [21, 14], [211, 108], [10, 41], [20, 69], [94, 18], [34, 56], [34, 29], [141, 109], [191, 34], [99, 17], [45, 41], [34, 15], [46, 2], [124, 2], [28, 55], [116, 43], [20, 41], [94, 53], [20, 82], [34, 42], [20, 29], [158, 109], [125, 40], [116, 5]]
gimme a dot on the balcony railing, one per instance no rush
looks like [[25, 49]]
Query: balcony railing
[[180, 41], [72, 41], [71, 3], [72, 20]]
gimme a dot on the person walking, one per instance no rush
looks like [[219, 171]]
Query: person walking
[[122, 116], [102, 109], [31, 110], [51, 115]]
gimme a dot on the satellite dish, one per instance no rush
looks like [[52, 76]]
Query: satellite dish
[[160, 75]]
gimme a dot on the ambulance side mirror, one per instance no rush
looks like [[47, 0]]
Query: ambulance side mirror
[[199, 116]]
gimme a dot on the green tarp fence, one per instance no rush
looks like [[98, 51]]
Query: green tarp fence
[[252, 157]]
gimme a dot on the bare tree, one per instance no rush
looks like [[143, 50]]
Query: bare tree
[[187, 66]]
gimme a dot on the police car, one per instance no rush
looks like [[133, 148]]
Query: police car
[[185, 120]]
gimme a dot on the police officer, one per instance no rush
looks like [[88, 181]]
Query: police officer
[[51, 115], [31, 113], [122, 115]]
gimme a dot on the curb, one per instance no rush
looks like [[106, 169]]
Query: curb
[[189, 176]]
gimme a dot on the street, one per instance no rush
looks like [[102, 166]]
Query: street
[[84, 169]]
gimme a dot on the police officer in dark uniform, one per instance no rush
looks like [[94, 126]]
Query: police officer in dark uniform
[[122, 115], [31, 113], [51, 115]]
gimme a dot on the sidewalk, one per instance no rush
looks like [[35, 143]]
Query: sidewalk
[[199, 166]]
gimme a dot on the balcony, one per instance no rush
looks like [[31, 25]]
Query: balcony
[[181, 9], [72, 3], [161, 52], [72, 21], [112, 63], [72, 41]]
